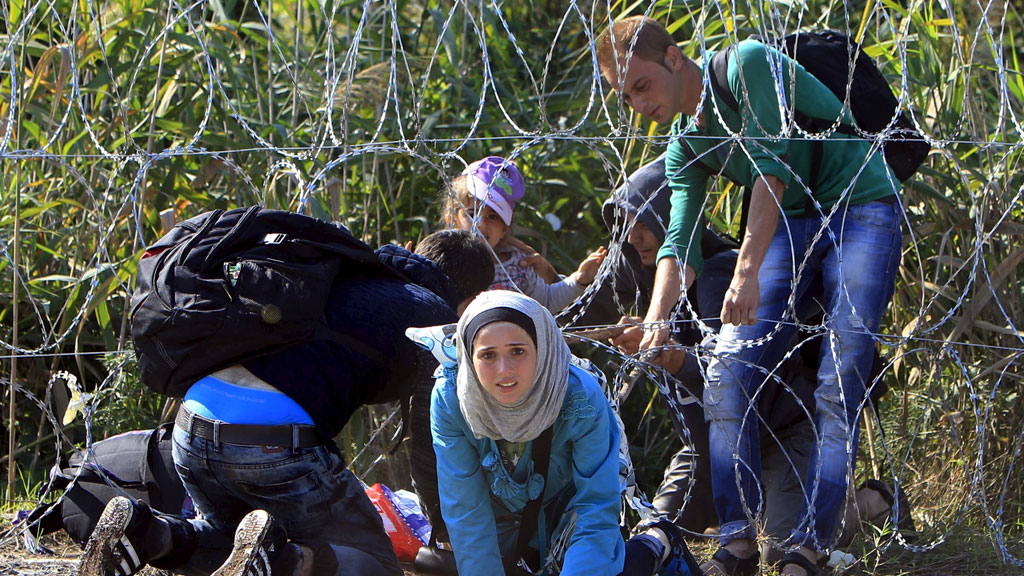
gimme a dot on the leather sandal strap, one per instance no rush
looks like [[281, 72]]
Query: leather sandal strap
[[811, 568], [881, 488], [734, 565], [891, 497]]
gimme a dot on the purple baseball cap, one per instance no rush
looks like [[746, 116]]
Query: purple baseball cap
[[497, 183]]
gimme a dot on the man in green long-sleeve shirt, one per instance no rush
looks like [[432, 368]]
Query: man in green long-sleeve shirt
[[838, 223]]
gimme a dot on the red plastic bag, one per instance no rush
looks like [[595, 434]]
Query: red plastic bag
[[403, 539]]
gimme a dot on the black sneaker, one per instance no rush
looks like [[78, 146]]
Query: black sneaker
[[117, 546], [256, 539]]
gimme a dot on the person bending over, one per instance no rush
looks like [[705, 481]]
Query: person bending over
[[831, 216], [518, 425], [253, 443]]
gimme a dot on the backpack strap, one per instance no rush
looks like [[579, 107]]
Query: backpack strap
[[152, 455], [719, 71], [541, 456], [692, 156]]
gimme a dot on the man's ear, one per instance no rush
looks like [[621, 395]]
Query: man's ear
[[673, 58]]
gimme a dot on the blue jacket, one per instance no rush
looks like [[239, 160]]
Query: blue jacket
[[476, 489]]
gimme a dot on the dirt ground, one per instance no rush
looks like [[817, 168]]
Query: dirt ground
[[15, 560], [959, 557]]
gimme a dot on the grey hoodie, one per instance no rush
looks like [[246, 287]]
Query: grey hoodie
[[645, 196]]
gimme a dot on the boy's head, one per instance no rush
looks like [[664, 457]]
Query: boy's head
[[463, 257], [644, 241], [641, 61], [484, 196], [644, 229], [641, 207]]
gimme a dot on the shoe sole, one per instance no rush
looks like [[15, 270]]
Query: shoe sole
[[100, 558], [248, 540]]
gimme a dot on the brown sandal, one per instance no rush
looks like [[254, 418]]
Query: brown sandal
[[898, 499], [810, 567], [733, 565]]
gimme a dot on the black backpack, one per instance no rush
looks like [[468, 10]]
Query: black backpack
[[229, 286], [137, 464], [828, 56]]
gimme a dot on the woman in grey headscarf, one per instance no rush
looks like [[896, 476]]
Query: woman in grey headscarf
[[516, 378]]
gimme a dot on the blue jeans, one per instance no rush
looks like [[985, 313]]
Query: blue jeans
[[856, 258], [309, 490]]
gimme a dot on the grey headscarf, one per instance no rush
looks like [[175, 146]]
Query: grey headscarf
[[538, 408]]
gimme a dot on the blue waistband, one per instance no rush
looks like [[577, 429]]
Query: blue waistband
[[217, 399]]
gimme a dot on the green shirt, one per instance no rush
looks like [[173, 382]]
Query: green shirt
[[755, 142]]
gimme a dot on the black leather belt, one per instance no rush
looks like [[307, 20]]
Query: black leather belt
[[294, 435]]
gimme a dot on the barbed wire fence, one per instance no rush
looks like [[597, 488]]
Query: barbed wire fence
[[118, 118]]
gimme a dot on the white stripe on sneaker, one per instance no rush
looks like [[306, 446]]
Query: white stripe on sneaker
[[261, 567], [127, 544]]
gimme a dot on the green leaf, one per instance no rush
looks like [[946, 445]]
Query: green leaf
[[54, 278]]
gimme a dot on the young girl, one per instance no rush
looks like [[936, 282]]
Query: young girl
[[514, 380], [482, 199]]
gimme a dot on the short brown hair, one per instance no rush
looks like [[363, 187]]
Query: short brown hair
[[463, 256], [648, 37]]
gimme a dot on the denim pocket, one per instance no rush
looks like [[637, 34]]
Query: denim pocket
[[184, 473], [875, 215], [299, 487], [200, 499]]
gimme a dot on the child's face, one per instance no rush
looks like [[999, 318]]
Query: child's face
[[490, 225], [505, 360]]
